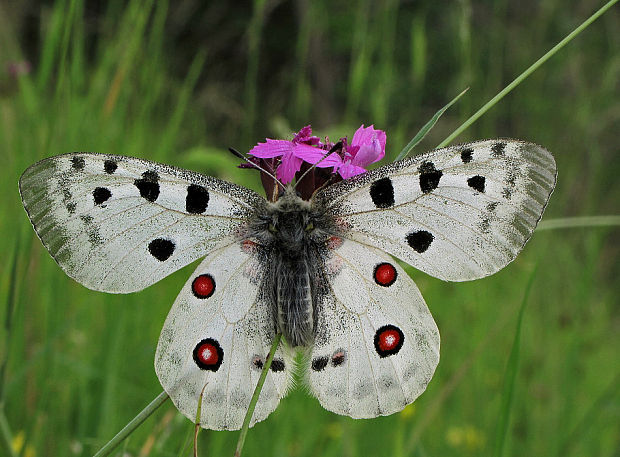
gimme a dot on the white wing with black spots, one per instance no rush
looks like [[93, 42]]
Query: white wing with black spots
[[377, 344], [215, 341], [119, 224], [457, 213]]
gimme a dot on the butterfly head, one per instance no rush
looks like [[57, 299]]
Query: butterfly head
[[291, 224]]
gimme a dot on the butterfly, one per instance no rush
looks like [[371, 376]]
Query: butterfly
[[320, 271]]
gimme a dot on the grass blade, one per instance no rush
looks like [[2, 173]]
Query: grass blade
[[8, 320], [132, 425], [511, 375], [519, 79], [427, 127], [5, 429], [254, 400], [576, 222]]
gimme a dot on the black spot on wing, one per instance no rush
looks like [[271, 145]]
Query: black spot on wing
[[420, 240], [77, 163], [110, 166], [498, 149], [338, 357], [319, 363], [382, 193], [466, 155], [161, 249], [429, 177], [476, 183], [277, 365], [197, 199], [101, 195], [257, 362], [148, 185]]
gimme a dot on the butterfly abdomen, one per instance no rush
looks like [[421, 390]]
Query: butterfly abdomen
[[294, 299]]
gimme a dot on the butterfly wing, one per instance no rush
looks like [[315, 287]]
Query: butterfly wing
[[458, 213], [119, 224], [215, 341], [377, 344]]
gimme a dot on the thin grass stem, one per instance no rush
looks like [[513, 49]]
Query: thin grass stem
[[576, 222], [132, 425], [519, 79], [426, 128], [254, 400], [510, 376]]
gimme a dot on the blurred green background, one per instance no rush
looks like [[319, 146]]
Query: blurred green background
[[179, 82]]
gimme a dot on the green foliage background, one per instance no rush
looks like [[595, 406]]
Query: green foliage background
[[179, 82]]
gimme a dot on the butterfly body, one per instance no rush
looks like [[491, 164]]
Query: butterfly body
[[320, 271], [290, 240]]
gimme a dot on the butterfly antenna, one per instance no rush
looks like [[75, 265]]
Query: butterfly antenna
[[242, 157], [333, 149]]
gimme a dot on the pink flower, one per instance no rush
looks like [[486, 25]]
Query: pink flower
[[291, 152], [367, 146], [348, 160]]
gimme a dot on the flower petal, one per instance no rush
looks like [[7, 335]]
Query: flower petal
[[272, 148], [287, 169], [368, 153], [312, 155], [371, 143], [366, 136], [348, 170]]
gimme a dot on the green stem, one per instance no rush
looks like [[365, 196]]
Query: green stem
[[525, 74], [132, 425], [197, 421], [254, 400], [583, 221]]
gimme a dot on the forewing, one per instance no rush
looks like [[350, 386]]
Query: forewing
[[377, 344], [119, 224], [233, 320], [458, 213]]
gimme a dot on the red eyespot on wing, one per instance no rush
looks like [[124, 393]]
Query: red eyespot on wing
[[388, 340], [385, 274], [208, 354], [203, 286]]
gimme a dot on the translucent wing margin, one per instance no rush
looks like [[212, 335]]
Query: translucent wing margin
[[228, 320], [119, 224], [377, 345], [458, 213]]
